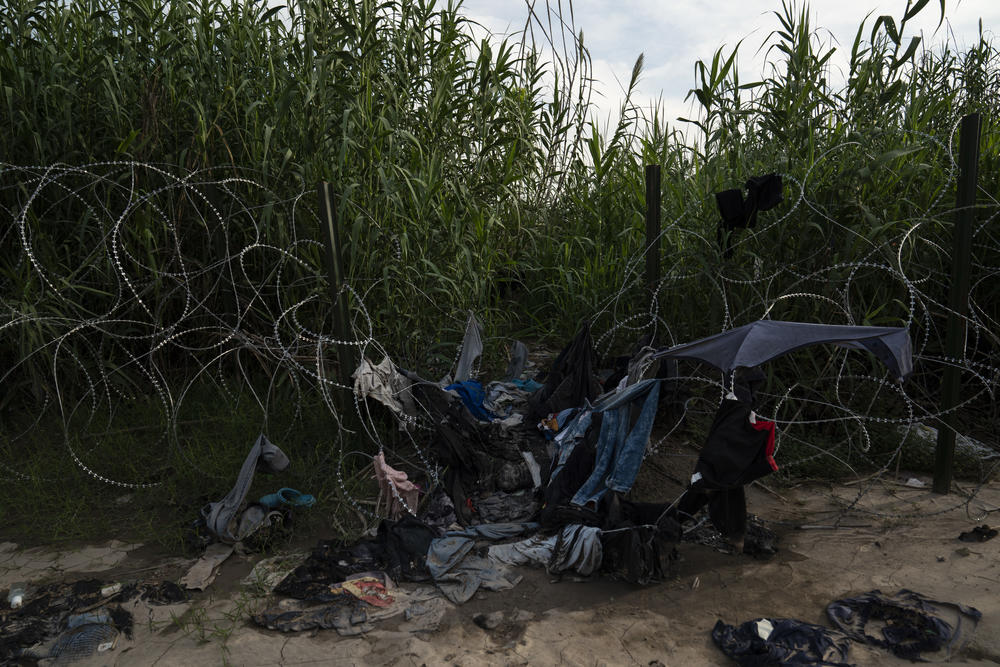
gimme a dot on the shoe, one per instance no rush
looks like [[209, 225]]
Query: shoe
[[289, 497]]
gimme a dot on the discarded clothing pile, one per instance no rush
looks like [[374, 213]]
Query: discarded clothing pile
[[599, 449], [349, 588], [781, 641], [71, 621], [459, 571], [759, 540], [487, 451], [910, 624], [233, 522], [354, 605], [232, 519], [580, 461], [587, 458], [577, 465]]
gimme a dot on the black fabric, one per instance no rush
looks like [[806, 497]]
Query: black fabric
[[629, 513], [570, 381], [478, 458], [734, 453], [460, 444], [460, 448], [634, 554], [330, 562], [763, 194], [731, 209], [728, 511], [406, 542], [790, 642], [503, 507], [399, 549], [564, 485], [730, 203], [910, 623], [689, 504], [737, 212], [567, 515], [341, 611], [638, 538], [978, 534]]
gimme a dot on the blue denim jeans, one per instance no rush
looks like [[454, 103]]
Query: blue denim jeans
[[568, 437], [620, 451]]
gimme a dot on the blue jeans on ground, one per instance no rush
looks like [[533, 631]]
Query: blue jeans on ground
[[620, 451]]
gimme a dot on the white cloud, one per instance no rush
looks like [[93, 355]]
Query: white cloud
[[675, 35]]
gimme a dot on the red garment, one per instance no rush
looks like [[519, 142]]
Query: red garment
[[762, 425], [370, 590]]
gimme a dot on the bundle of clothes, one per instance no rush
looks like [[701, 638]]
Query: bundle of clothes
[[537, 470], [64, 622], [907, 624]]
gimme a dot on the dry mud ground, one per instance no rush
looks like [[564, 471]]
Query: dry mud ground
[[599, 622]]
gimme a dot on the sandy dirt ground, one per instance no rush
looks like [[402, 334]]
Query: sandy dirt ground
[[896, 537]]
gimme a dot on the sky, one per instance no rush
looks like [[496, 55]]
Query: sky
[[673, 35]]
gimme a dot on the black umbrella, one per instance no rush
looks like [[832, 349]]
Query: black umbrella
[[764, 340]]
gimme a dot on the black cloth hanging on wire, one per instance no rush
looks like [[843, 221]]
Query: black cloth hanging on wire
[[739, 212], [735, 453], [571, 379]]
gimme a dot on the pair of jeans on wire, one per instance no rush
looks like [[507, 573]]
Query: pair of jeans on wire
[[620, 450]]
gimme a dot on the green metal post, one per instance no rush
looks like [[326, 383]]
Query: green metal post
[[652, 225], [958, 299], [335, 271]]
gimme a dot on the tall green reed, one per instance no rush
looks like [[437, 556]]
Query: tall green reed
[[468, 165]]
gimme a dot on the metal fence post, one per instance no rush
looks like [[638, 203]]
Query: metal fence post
[[958, 299], [652, 226]]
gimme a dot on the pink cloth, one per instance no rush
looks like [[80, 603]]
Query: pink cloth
[[389, 479]]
